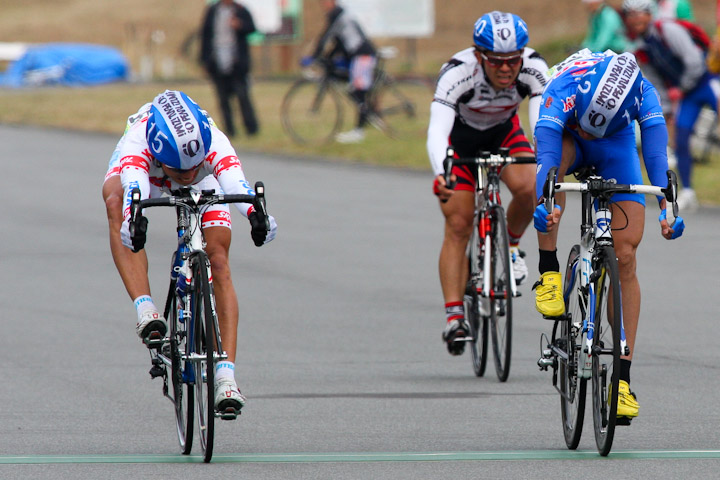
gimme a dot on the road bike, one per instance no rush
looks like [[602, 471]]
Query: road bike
[[193, 345], [491, 281], [313, 109], [587, 341]]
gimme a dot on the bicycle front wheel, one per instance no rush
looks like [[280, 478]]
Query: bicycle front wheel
[[572, 388], [181, 374], [479, 329], [311, 112], [204, 354], [500, 294], [606, 350], [399, 108]]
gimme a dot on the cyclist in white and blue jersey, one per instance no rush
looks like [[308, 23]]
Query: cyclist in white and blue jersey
[[586, 119]]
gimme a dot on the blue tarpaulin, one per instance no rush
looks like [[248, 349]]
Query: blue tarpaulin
[[72, 64]]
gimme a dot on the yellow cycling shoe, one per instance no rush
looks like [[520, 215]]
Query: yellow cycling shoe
[[548, 294], [627, 403]]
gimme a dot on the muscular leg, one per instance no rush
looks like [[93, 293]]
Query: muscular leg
[[626, 242], [218, 245], [458, 211], [132, 267]]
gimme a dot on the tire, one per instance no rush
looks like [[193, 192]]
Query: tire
[[501, 294], [183, 393], [311, 112], [572, 388], [400, 108], [478, 329], [204, 342], [606, 350]]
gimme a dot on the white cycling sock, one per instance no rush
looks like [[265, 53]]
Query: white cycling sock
[[225, 369], [143, 303]]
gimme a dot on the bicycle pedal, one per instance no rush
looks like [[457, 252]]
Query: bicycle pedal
[[463, 339], [623, 421], [157, 371], [154, 340], [228, 414], [564, 316]]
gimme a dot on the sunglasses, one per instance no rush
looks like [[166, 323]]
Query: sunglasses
[[498, 62]]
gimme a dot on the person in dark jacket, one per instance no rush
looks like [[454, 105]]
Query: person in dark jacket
[[226, 57]]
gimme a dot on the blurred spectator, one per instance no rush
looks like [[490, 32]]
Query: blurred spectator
[[668, 50], [344, 37], [226, 57], [605, 29], [675, 10]]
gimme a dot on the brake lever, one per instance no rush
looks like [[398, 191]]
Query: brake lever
[[260, 205], [448, 165], [549, 190]]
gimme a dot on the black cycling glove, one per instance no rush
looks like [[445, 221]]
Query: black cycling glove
[[258, 230], [138, 233]]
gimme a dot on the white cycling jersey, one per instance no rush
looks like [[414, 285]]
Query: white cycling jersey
[[221, 170], [463, 87]]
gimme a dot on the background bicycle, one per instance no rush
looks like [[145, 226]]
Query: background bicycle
[[313, 109], [587, 341], [193, 345], [491, 283]]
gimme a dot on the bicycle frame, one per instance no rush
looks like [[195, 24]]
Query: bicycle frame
[[575, 352], [193, 345]]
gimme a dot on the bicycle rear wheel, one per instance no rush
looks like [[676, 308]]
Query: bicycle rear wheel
[[500, 294], [311, 112], [606, 350], [204, 349], [181, 375], [572, 388], [400, 107]]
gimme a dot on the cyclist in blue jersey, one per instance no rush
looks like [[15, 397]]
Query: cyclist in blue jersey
[[586, 120]]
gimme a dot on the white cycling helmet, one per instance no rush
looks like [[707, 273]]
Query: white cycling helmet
[[637, 5]]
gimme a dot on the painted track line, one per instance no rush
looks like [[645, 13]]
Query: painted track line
[[362, 457]]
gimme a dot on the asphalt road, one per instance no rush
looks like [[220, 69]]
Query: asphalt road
[[340, 352]]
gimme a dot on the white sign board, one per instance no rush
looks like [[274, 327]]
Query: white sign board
[[394, 18], [266, 14]]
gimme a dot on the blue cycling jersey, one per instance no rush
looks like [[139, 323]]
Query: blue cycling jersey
[[614, 156]]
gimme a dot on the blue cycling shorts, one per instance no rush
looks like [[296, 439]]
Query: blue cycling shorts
[[614, 157]]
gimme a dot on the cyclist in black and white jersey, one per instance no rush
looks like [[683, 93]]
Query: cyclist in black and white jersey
[[475, 109]]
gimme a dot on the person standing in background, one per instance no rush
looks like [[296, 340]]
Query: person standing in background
[[225, 55], [606, 29]]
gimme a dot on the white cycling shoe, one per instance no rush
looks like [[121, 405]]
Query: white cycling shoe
[[228, 399], [151, 327], [520, 270]]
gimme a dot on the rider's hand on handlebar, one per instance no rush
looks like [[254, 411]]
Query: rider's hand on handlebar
[[440, 188], [544, 222], [306, 61], [668, 231], [258, 230], [134, 234]]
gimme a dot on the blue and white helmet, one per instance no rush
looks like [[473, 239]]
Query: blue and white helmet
[[609, 95], [178, 131], [500, 32]]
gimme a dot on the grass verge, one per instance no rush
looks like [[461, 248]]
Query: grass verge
[[106, 108]]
